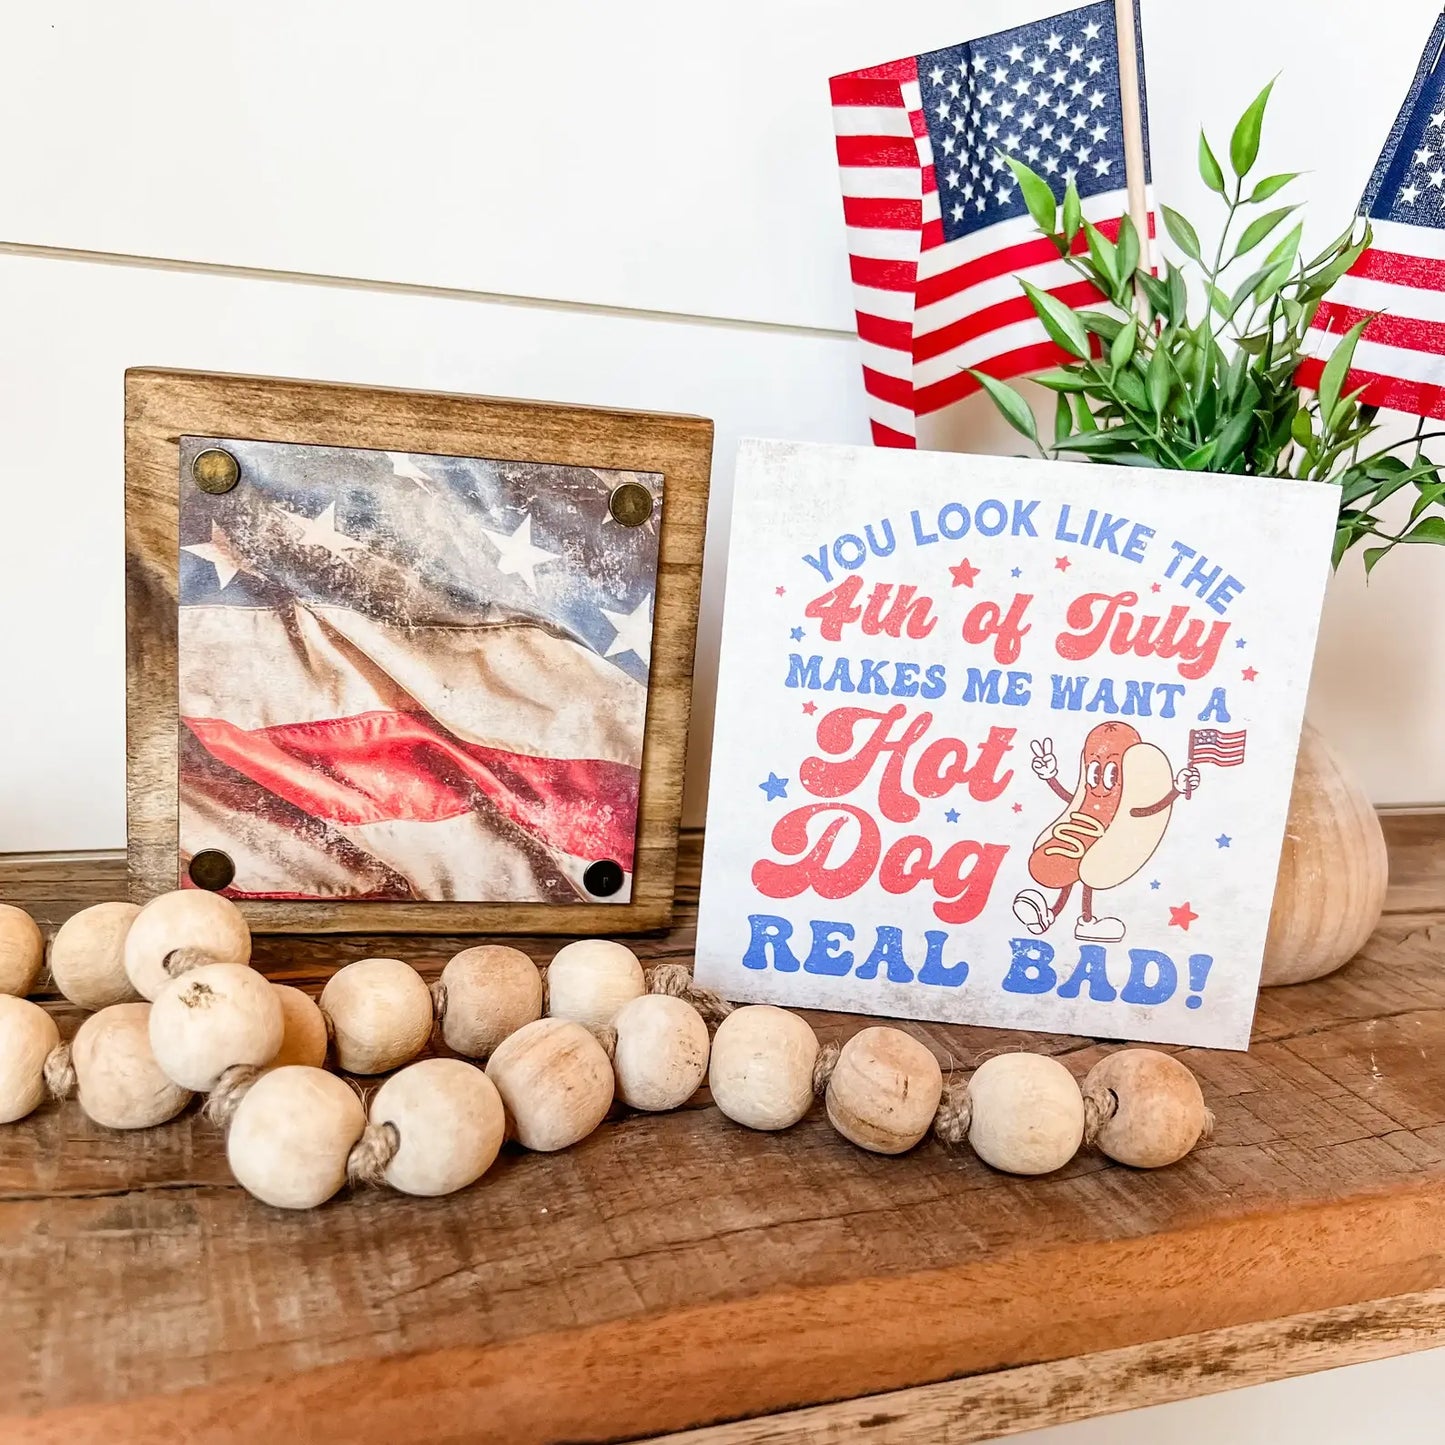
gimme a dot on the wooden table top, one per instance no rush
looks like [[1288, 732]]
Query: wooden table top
[[676, 1273]]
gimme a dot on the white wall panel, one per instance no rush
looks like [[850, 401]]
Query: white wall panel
[[71, 329], [643, 153]]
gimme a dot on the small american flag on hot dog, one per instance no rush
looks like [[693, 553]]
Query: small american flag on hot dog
[[1209, 745]]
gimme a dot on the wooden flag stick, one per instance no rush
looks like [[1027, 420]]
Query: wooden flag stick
[[1133, 119]]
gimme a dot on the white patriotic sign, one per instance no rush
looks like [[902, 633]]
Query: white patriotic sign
[[1006, 742]]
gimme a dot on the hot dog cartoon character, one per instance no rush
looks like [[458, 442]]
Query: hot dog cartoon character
[[1112, 822]]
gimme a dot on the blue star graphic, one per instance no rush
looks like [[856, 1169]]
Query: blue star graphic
[[775, 787], [952, 815], [797, 634], [1016, 572], [1154, 883], [1223, 840], [1239, 642]]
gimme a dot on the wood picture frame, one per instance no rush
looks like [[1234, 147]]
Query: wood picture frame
[[164, 406]]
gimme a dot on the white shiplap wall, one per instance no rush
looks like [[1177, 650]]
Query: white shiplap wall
[[630, 204]]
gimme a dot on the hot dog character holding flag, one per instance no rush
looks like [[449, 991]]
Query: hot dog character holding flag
[[1112, 822]]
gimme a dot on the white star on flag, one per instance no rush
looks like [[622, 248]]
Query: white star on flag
[[633, 629], [408, 471], [320, 531], [221, 553], [517, 557]]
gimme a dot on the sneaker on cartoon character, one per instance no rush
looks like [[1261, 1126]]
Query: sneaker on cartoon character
[[1032, 911], [1099, 930]]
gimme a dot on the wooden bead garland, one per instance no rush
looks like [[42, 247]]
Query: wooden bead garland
[[379, 1014], [304, 1038], [1144, 1108], [483, 995], [22, 951], [181, 930], [881, 1089], [214, 1018], [555, 1079], [1024, 1113], [87, 956], [761, 1070], [433, 1128], [661, 1052], [28, 1036], [588, 981], [112, 1068]]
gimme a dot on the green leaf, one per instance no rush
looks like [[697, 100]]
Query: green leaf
[[1157, 293], [1269, 287], [1301, 429], [1178, 296], [1061, 380], [1244, 143], [1014, 409], [1094, 442], [1037, 195], [1084, 415], [1332, 379], [1130, 390], [1209, 169], [1270, 184], [1159, 381], [1259, 228], [1073, 212], [1181, 233], [1230, 442], [1123, 346], [1198, 460], [1218, 300], [1429, 529], [1063, 419], [1101, 324], [1128, 255], [1062, 324], [1104, 255]]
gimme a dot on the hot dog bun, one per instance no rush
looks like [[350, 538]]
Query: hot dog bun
[[1129, 842]]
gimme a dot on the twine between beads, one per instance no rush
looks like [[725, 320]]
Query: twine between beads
[[1099, 1107], [183, 960], [955, 1113], [675, 980], [371, 1155], [225, 1098], [59, 1072]]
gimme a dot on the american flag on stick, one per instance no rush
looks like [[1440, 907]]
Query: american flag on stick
[[407, 676], [1400, 279], [1209, 745], [938, 233]]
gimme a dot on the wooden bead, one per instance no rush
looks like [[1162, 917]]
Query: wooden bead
[[1027, 1113], [884, 1090], [303, 1037], [588, 981], [212, 1019], [662, 1051], [761, 1071], [290, 1136], [1148, 1107], [22, 951], [381, 1015], [485, 994], [87, 956], [556, 1081], [118, 1081], [449, 1124], [27, 1036], [189, 919]]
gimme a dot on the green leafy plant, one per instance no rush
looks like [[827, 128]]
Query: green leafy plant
[[1152, 385]]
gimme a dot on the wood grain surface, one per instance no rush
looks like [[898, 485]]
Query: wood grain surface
[[676, 1272], [162, 406]]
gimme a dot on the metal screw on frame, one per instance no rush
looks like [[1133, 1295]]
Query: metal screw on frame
[[215, 471], [604, 878], [212, 870], [631, 504]]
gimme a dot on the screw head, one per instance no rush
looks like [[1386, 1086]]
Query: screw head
[[212, 870], [215, 471], [604, 878], [631, 504]]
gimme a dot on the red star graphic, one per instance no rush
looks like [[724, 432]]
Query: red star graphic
[[964, 573], [810, 708], [1061, 564], [1249, 674], [1153, 586], [779, 590], [1018, 807], [1182, 916]]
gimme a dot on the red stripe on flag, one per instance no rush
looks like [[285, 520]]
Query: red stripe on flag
[[1400, 269], [895, 389], [1406, 332], [1395, 393], [884, 275], [1021, 362], [876, 150], [391, 766], [848, 88], [896, 335], [1002, 313], [874, 214], [885, 436]]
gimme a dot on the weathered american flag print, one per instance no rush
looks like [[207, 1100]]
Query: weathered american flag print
[[938, 233], [1400, 279], [411, 676]]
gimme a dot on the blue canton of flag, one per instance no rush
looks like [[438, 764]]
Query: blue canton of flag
[[1046, 94]]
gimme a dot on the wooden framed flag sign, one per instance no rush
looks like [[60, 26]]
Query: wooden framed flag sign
[[1006, 742], [401, 661]]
